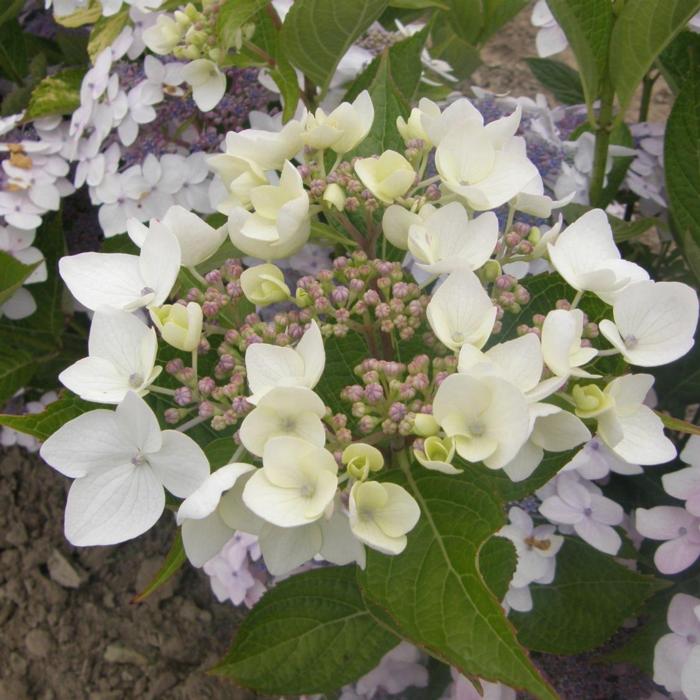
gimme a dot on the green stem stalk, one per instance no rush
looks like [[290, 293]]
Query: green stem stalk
[[602, 143]]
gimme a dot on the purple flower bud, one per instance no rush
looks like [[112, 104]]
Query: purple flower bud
[[174, 366], [340, 295], [367, 424], [213, 277], [206, 409], [352, 393], [183, 396], [172, 416], [374, 392], [397, 411]]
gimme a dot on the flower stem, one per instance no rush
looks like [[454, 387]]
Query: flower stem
[[161, 390], [191, 423], [602, 142], [577, 300]]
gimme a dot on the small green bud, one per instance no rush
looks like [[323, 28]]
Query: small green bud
[[360, 459], [492, 270], [264, 285], [425, 425], [591, 401], [535, 235]]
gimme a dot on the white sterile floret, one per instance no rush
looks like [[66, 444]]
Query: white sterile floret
[[552, 429], [381, 514], [446, 240], [461, 311], [561, 344], [341, 130], [586, 256], [296, 484], [207, 81], [437, 123], [631, 429], [397, 222], [677, 654], [270, 366], [280, 224], [487, 417], [124, 281], [121, 461], [519, 361], [654, 322], [286, 411], [122, 356], [388, 177], [204, 531], [265, 150], [685, 483], [591, 515], [198, 240], [485, 165]]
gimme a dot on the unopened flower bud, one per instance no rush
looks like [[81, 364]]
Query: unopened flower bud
[[425, 425], [335, 197], [360, 459], [264, 284], [492, 270], [180, 326], [590, 400]]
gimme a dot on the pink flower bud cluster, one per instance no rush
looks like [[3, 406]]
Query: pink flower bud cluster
[[358, 197], [509, 296], [392, 393], [362, 295], [516, 241]]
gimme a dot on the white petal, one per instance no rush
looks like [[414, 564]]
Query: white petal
[[643, 439], [205, 499], [113, 505], [103, 279], [95, 379], [268, 366], [159, 262], [284, 549], [90, 442], [138, 424], [198, 240], [311, 350], [670, 655], [204, 538], [180, 464], [662, 522]]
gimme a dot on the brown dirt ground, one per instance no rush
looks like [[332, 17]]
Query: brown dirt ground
[[89, 642]]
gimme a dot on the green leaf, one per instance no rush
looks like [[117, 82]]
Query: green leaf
[[496, 14], [449, 46], [317, 33], [174, 560], [220, 451], [285, 78], [12, 275], [232, 16], [588, 25], [561, 80], [42, 425], [105, 31], [342, 356], [681, 426], [678, 384], [589, 599], [466, 18], [642, 31], [622, 230], [57, 94], [419, 4], [13, 52], [436, 591], [16, 369], [679, 58], [325, 234], [682, 166], [311, 633], [11, 11], [389, 104]]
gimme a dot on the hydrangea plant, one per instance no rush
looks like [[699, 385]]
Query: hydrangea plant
[[386, 380]]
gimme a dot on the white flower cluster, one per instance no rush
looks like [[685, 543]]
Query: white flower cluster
[[63, 8], [503, 407]]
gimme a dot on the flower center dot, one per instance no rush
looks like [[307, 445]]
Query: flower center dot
[[588, 511], [682, 531], [135, 380]]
